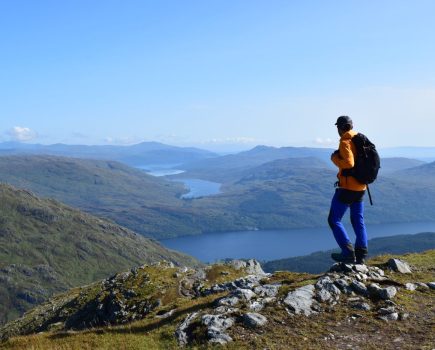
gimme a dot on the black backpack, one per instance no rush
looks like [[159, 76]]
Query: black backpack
[[367, 161]]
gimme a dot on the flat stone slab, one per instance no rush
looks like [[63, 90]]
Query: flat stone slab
[[300, 300], [254, 320]]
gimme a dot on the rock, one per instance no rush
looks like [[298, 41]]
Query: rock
[[256, 306], [323, 281], [376, 292], [327, 285], [386, 310], [399, 266], [361, 306], [390, 317], [411, 286], [361, 268], [181, 332], [199, 274], [217, 337], [216, 327], [228, 301], [245, 294], [324, 296], [254, 320], [431, 285], [422, 285], [251, 266], [388, 293], [225, 309], [220, 322], [359, 287], [343, 285], [248, 282], [300, 300], [267, 290]]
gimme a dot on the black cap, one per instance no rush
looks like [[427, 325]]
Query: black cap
[[343, 120]]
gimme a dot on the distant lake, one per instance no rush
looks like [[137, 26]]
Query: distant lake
[[271, 245], [160, 169], [197, 187], [200, 188]]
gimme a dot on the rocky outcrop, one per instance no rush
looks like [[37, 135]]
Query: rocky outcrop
[[218, 312]]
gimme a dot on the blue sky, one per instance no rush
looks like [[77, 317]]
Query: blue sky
[[212, 73]]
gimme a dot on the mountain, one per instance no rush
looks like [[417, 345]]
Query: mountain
[[236, 306], [281, 194], [144, 203], [229, 167], [47, 247], [390, 165], [278, 195], [136, 155], [319, 261], [426, 154], [424, 174]]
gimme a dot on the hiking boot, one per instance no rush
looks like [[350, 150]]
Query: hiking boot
[[361, 255], [346, 259]]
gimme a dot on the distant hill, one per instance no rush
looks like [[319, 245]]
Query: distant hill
[[426, 154], [229, 167], [47, 247], [108, 189], [319, 261], [281, 194], [136, 155], [424, 174], [390, 165]]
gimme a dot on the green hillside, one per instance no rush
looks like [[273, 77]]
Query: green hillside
[[47, 247]]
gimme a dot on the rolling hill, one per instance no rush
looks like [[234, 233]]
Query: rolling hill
[[47, 247], [135, 155]]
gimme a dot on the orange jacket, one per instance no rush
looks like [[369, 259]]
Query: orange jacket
[[345, 159]]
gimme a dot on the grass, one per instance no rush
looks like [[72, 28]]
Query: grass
[[47, 247], [334, 328]]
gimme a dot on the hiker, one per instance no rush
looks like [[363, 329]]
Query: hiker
[[348, 194]]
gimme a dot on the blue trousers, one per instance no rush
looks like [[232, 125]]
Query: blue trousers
[[336, 213]]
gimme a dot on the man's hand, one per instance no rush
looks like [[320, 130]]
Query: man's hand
[[336, 153]]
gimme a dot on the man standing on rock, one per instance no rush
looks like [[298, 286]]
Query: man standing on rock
[[349, 194]]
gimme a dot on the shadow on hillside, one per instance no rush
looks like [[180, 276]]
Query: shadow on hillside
[[118, 329]]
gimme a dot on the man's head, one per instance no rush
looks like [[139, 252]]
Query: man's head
[[344, 124]]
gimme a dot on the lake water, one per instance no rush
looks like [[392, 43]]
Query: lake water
[[271, 245], [160, 169], [200, 188], [197, 188]]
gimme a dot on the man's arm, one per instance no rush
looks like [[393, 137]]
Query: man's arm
[[344, 159]]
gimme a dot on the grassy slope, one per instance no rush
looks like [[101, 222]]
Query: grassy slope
[[320, 261], [332, 329], [46, 247], [108, 189]]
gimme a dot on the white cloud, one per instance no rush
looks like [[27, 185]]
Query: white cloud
[[125, 141], [22, 134], [326, 142], [233, 140]]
